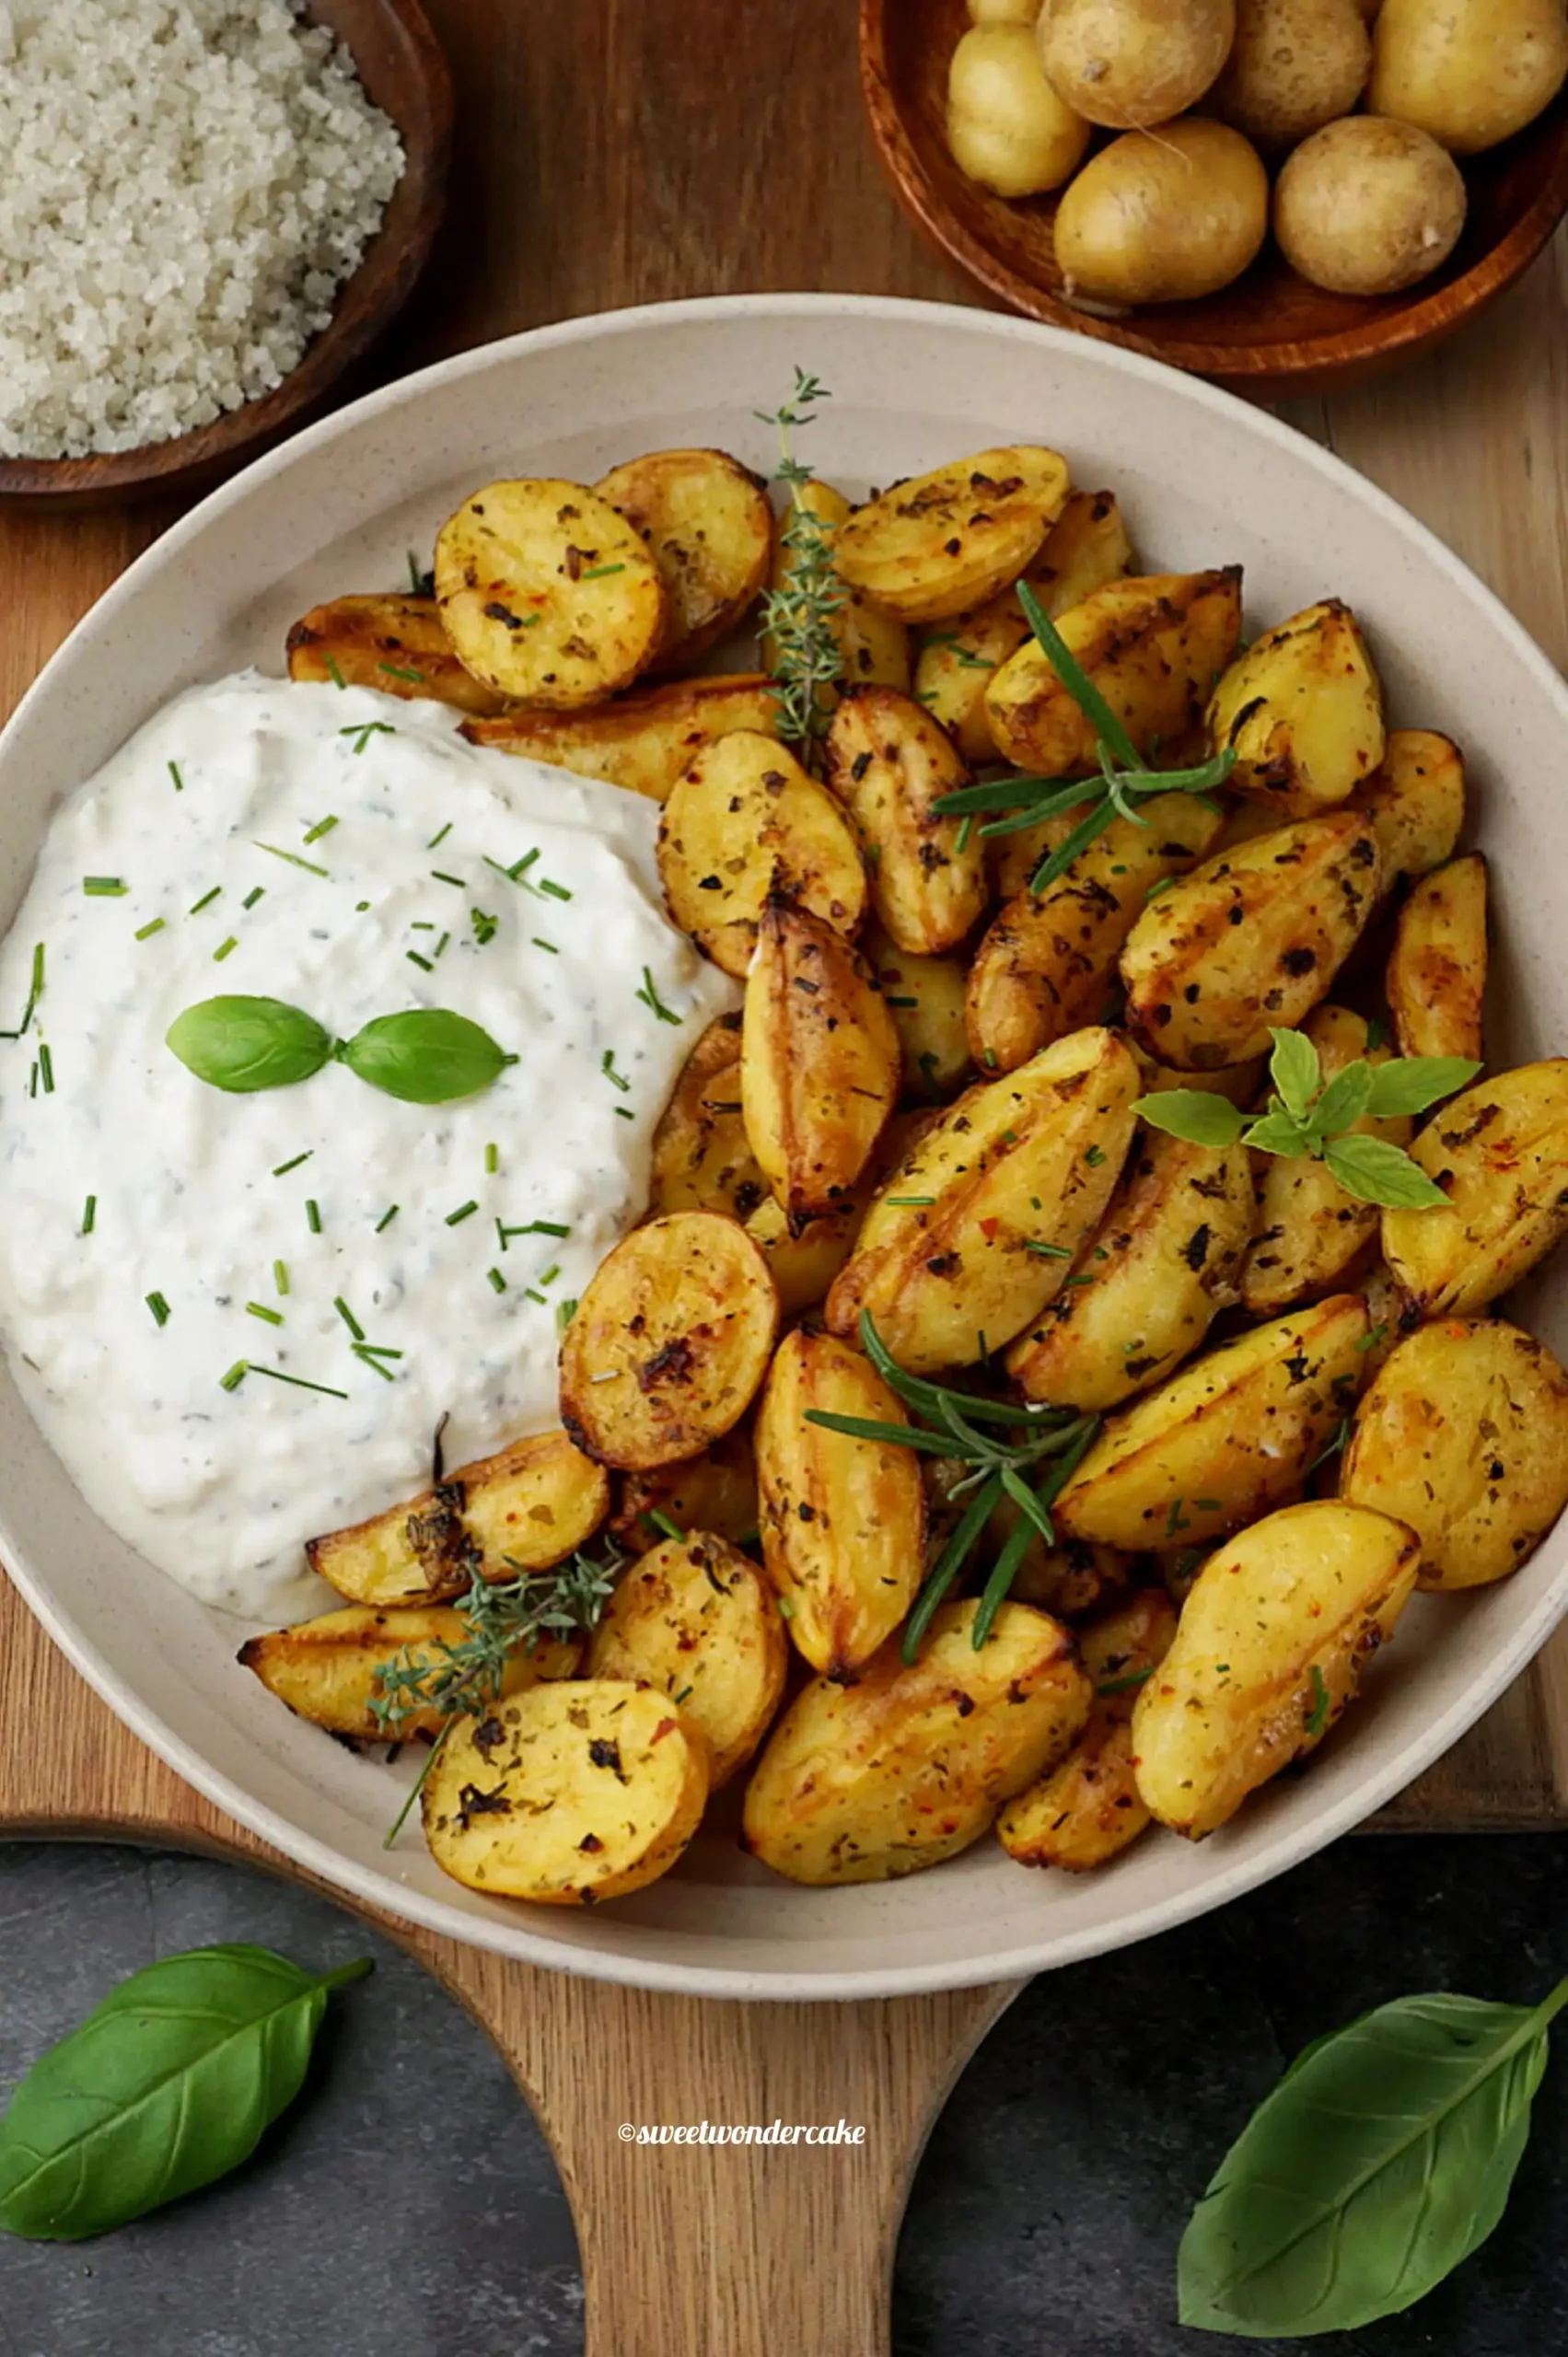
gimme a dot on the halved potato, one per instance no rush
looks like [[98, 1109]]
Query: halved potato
[[397, 644], [707, 521], [803, 1260], [714, 1493], [1416, 803], [577, 1791], [329, 1669], [873, 645], [1499, 1154], [1437, 978], [890, 763], [1089, 1808], [670, 1344], [820, 1064], [926, 998], [697, 1619], [1015, 858], [942, 541], [643, 742], [746, 823], [702, 1161], [1302, 710]]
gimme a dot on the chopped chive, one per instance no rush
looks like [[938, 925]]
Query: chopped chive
[[463, 1211], [281, 1169], [35, 990], [670, 1529], [387, 1216], [360, 907], [204, 903], [650, 998], [497, 1282], [541, 944], [299, 1381], [179, 781], [441, 945], [105, 887], [786, 1609], [396, 672], [520, 868], [533, 1228], [624, 1113], [564, 1313], [989, 1060], [1047, 1251], [1123, 1685], [363, 730], [550, 1273], [556, 891], [415, 960], [259, 1310], [1094, 1155], [89, 1215], [600, 572], [313, 1215], [484, 927], [159, 1308], [322, 827], [362, 1353], [32, 1079], [1317, 1718], [617, 1080], [415, 580], [442, 878], [221, 953], [961, 842], [912, 1203], [890, 1001], [350, 1321], [280, 1275], [439, 836], [420, 924], [145, 931], [334, 673], [260, 893], [529, 1294], [491, 1159], [293, 858], [46, 1067], [236, 1376]]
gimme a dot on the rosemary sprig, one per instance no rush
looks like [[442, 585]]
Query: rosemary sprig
[[800, 614]]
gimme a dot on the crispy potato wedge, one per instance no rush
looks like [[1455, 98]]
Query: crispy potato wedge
[[907, 1765], [702, 1161], [1268, 1653], [547, 593], [670, 1344], [1416, 803], [1302, 711], [890, 763], [1222, 1441], [1464, 1436], [643, 742], [1067, 1580], [1436, 977], [521, 1510], [328, 1669], [580, 1790], [1250, 942], [697, 1619], [397, 644], [873, 645], [1089, 1808], [1499, 1154], [1153, 644], [1162, 1264], [844, 1518], [820, 1065], [714, 1493], [1047, 966], [926, 998], [707, 519], [975, 1230], [803, 1262], [746, 823], [944, 542]]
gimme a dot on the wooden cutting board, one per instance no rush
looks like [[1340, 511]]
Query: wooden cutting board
[[625, 151]]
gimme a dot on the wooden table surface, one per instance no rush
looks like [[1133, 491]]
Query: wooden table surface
[[626, 151]]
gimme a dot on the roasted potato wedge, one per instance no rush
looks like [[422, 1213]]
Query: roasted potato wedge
[[702, 1161], [1238, 1084], [844, 1518], [521, 1510], [1047, 966], [975, 1230], [890, 763], [670, 1344], [906, 1766], [1302, 711], [944, 542], [1464, 1436], [1224, 1439], [1437, 978], [1015, 858], [328, 1669], [873, 645], [1267, 1656], [714, 1493], [1251, 941], [1067, 1580], [744, 824], [820, 1065], [643, 742], [697, 1619], [397, 644], [1089, 1808], [1163, 1262], [706, 520], [1416, 803], [1153, 644], [1499, 1154], [547, 593], [580, 1790], [804, 1261], [926, 998]]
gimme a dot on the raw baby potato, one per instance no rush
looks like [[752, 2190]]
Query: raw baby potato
[[1267, 1656], [695, 1619], [1006, 127], [1128, 64], [1223, 1440], [873, 645], [1471, 72], [926, 998], [546, 592], [1367, 207], [707, 521], [890, 763], [842, 1519], [907, 1765], [1436, 977], [1499, 1154], [1089, 1808], [397, 644], [668, 1346], [820, 1064], [715, 1492], [1163, 216], [1294, 65], [1003, 12], [1302, 711], [577, 1791], [944, 542], [643, 741], [328, 1669], [701, 1160], [1416, 803]]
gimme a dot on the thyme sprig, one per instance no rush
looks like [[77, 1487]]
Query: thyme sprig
[[800, 614]]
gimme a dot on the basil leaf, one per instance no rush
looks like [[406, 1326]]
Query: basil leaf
[[1344, 1100], [1294, 1070], [1193, 1114], [426, 1056], [166, 2085], [1375, 1172], [1279, 1133], [1410, 1084], [1382, 2159], [243, 1044]]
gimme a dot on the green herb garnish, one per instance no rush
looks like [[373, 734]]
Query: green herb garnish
[[649, 997], [293, 858], [497, 1282], [439, 836], [236, 1376], [300, 1383], [616, 1079], [484, 927], [145, 931], [363, 731], [258, 892], [464, 1211], [397, 672], [281, 1169], [280, 1276], [259, 1310], [387, 1216], [322, 827], [159, 1308], [539, 943], [415, 960], [179, 781], [334, 673], [1317, 1717], [350, 1321], [89, 1215], [426, 1056], [600, 572], [225, 948], [245, 1044], [801, 614], [46, 1066], [106, 888], [204, 903], [312, 1214]]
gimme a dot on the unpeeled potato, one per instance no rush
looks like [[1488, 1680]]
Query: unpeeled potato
[[1367, 207], [1007, 126], [1467, 72], [1128, 64], [1296, 65], [1163, 217]]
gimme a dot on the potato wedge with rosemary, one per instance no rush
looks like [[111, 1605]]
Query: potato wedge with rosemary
[[668, 1346], [907, 1765], [926, 998], [1268, 1653], [702, 1161], [328, 1669], [1499, 1154], [1224, 1439], [1416, 803], [521, 1510], [707, 522], [714, 1493], [546, 592], [584, 1789], [977, 1228], [842, 1517], [888, 762], [744, 824], [1152, 644], [803, 1260], [820, 1065], [643, 742], [941, 542], [1067, 1580], [1250, 942], [397, 644], [697, 1619], [1302, 710], [1436, 975], [1089, 1808]]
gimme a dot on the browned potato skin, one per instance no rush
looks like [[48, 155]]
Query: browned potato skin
[[926, 998], [1416, 803], [820, 1065], [643, 741], [397, 644], [696, 1617], [932, 547], [1238, 1084], [701, 1158], [843, 1519], [873, 645], [745, 823], [714, 1493], [890, 763], [1499, 1154], [327, 1670], [906, 1766], [803, 1261], [1464, 1436], [1436, 978], [707, 520], [1089, 1808], [1252, 940], [1068, 1580], [1302, 710], [682, 1318]]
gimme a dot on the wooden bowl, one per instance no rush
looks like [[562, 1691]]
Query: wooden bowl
[[402, 65], [1269, 333]]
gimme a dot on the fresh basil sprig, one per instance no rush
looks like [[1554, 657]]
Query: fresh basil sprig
[[426, 1055], [166, 2084], [1383, 2158], [243, 1044], [1309, 1117]]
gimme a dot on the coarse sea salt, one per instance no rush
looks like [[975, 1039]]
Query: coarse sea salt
[[185, 186]]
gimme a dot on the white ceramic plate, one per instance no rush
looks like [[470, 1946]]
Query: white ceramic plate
[[1206, 479]]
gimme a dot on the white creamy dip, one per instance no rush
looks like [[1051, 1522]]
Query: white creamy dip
[[191, 1205]]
